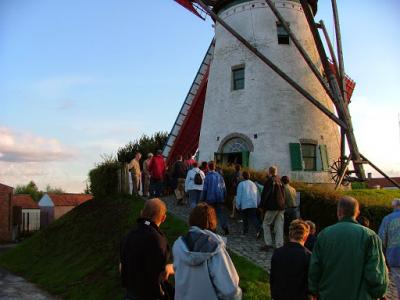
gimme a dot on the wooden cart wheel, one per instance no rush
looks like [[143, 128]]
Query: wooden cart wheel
[[336, 170]]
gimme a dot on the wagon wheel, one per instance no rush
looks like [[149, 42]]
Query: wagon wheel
[[336, 170]]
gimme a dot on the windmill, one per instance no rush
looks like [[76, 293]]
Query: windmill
[[279, 80]]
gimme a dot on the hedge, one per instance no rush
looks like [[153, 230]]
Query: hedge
[[318, 202], [104, 178]]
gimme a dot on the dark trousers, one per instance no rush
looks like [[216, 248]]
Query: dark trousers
[[220, 215], [250, 215], [290, 215], [156, 187]]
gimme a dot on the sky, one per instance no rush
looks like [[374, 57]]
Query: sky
[[79, 79]]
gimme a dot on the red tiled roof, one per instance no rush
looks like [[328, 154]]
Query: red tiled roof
[[382, 182], [69, 199], [25, 201], [5, 187]]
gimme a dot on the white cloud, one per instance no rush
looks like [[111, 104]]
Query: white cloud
[[67, 175], [25, 147]]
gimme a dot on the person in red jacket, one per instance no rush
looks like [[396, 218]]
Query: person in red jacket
[[157, 174]]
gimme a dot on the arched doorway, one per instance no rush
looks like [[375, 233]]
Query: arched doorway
[[234, 149]]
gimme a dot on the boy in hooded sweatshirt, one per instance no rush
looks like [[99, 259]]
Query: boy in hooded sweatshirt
[[203, 268]]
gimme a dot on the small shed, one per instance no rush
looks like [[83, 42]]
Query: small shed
[[30, 213], [6, 222], [53, 206]]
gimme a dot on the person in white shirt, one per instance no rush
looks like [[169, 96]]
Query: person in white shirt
[[247, 200], [194, 184]]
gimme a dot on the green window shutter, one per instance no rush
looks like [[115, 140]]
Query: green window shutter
[[318, 159], [245, 158], [295, 156], [324, 157]]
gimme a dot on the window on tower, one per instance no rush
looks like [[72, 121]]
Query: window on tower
[[283, 36], [309, 153], [309, 156], [238, 78]]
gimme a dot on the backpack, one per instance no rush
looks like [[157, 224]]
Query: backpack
[[198, 180]]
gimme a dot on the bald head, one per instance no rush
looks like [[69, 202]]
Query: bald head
[[347, 207], [154, 210]]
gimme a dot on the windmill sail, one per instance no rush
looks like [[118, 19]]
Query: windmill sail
[[189, 5], [184, 136]]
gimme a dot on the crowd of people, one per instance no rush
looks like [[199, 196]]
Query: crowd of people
[[344, 261]]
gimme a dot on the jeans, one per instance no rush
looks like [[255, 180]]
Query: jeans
[[220, 215], [275, 217], [250, 214], [194, 197]]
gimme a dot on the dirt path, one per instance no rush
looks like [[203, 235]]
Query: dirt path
[[14, 287]]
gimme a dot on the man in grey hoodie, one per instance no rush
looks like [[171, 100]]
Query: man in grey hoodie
[[203, 268]]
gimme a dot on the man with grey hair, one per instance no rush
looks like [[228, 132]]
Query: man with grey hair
[[389, 232], [347, 261]]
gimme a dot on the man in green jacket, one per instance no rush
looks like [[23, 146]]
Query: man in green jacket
[[347, 262]]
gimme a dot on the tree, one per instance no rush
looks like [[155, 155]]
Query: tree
[[54, 190], [30, 189], [145, 144]]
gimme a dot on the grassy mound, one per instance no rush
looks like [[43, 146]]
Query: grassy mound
[[77, 256]]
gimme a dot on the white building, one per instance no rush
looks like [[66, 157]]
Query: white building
[[251, 116], [30, 213]]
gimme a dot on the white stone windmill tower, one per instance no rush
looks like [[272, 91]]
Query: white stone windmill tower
[[238, 110]]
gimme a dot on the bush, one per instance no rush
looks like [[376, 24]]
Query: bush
[[319, 205], [104, 177], [318, 202], [145, 144]]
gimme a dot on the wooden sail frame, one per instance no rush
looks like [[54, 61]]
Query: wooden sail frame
[[337, 86]]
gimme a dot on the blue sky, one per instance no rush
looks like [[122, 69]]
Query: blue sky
[[81, 78]]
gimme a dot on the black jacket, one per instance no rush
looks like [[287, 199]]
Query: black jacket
[[144, 254], [272, 197], [289, 272], [180, 169]]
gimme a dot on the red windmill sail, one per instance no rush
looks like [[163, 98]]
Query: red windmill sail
[[189, 6], [184, 136]]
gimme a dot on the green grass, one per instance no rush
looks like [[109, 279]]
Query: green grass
[[77, 256]]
